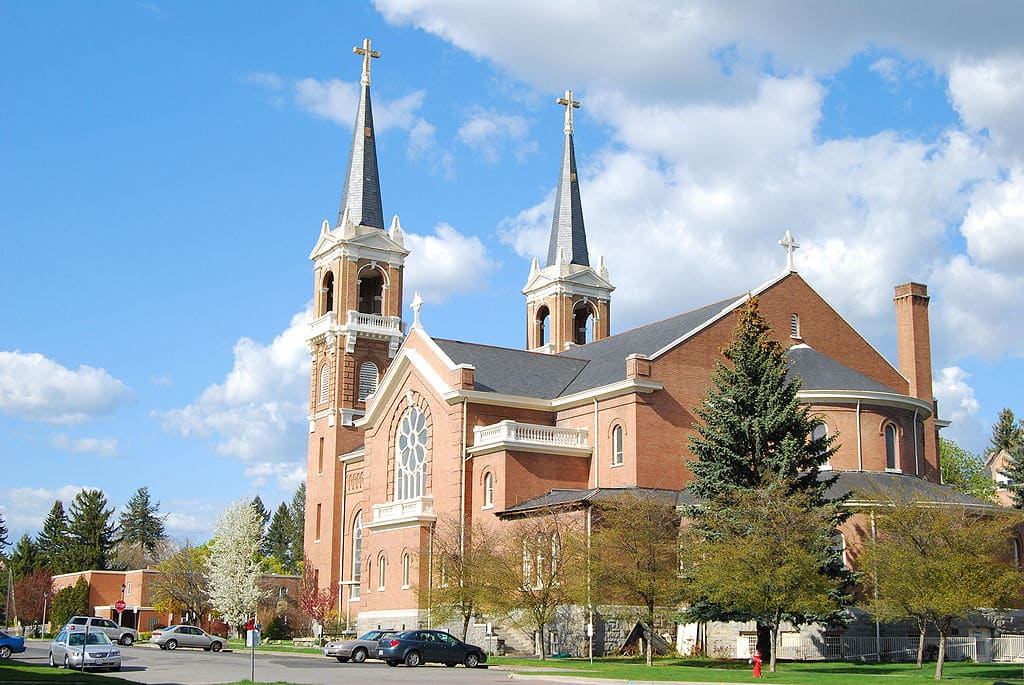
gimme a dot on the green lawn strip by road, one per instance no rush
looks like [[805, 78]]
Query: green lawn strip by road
[[796, 673], [239, 646], [14, 672]]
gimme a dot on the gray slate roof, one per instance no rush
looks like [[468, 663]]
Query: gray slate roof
[[819, 372], [558, 497], [567, 230], [514, 372], [361, 194]]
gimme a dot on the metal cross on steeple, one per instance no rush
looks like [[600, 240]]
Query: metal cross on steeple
[[570, 104], [790, 244], [367, 53]]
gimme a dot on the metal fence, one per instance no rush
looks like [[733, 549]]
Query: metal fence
[[838, 648]]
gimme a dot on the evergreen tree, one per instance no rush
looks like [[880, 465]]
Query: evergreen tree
[[755, 434], [1006, 433], [264, 517], [92, 533], [141, 522], [4, 542], [25, 557], [53, 539], [279, 537], [70, 601], [297, 510]]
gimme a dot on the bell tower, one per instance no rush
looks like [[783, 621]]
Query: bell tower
[[355, 332], [567, 302]]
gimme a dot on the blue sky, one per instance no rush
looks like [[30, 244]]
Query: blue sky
[[166, 167]]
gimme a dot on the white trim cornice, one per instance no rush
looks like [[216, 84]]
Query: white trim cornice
[[885, 399]]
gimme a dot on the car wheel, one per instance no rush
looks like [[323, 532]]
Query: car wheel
[[127, 640], [52, 662], [116, 668], [67, 662], [341, 659], [450, 664], [217, 646], [5, 652], [172, 644], [359, 656], [163, 646], [392, 662], [472, 660], [413, 659]]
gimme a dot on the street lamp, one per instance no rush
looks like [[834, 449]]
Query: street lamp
[[46, 596]]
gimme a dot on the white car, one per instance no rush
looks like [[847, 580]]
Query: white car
[[173, 637], [71, 650], [94, 624]]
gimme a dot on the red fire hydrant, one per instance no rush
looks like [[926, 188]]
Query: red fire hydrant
[[757, 663]]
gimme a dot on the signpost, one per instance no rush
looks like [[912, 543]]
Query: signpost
[[119, 605]]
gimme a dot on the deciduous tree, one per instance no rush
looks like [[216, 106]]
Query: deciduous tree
[[29, 592], [964, 471], [234, 562], [634, 553], [538, 565], [458, 566], [182, 586], [758, 554], [936, 563], [315, 601]]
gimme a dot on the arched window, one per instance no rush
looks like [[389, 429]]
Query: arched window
[[405, 570], [327, 291], [543, 324], [839, 545], [488, 490], [820, 432], [325, 382], [583, 323], [367, 380], [411, 455], [617, 446], [382, 568], [794, 326], [357, 554], [891, 447], [371, 293]]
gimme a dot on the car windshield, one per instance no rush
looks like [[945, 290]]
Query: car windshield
[[94, 639], [373, 635]]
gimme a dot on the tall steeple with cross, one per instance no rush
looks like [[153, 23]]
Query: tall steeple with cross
[[567, 301], [361, 195], [568, 240]]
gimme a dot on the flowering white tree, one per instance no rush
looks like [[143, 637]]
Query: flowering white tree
[[235, 562]]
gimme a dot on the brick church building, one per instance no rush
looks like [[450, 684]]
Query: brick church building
[[405, 428]]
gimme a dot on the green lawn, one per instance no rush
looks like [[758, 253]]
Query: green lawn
[[239, 646], [811, 673]]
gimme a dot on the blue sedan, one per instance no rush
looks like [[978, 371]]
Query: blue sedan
[[415, 647], [10, 645]]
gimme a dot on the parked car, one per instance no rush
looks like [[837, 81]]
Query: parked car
[[10, 645], [173, 637], [415, 647], [71, 650], [357, 649], [120, 634]]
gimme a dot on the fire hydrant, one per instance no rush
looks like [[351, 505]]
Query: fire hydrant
[[757, 663]]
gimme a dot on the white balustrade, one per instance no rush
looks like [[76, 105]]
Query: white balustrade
[[530, 436], [321, 325], [374, 323], [404, 509]]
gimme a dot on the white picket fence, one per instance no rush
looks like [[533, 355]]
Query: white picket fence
[[833, 647]]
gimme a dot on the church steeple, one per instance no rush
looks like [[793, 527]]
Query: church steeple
[[361, 195], [568, 242], [567, 302]]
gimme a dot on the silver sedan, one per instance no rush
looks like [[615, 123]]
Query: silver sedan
[[77, 650], [356, 649], [173, 637]]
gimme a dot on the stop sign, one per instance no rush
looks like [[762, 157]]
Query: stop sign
[[120, 605]]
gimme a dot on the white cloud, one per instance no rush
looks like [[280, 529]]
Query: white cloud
[[36, 388], [445, 264], [104, 447], [191, 518], [887, 69], [958, 404], [259, 411], [989, 94], [25, 508], [266, 79], [490, 133], [287, 475], [994, 225]]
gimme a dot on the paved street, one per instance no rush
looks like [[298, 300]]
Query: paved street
[[145, 664]]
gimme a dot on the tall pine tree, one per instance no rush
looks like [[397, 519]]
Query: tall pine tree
[[25, 557], [53, 539], [279, 537], [1008, 436], [297, 510], [1006, 433], [264, 516], [141, 522], [4, 542], [91, 531], [753, 435]]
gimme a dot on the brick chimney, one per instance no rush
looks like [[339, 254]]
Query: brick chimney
[[913, 341]]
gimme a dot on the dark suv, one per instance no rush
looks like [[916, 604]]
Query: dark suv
[[415, 647]]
